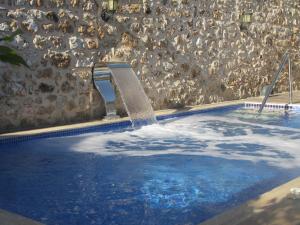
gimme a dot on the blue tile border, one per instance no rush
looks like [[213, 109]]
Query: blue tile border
[[109, 126], [71, 132]]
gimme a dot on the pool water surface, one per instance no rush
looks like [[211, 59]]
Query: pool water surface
[[183, 171]]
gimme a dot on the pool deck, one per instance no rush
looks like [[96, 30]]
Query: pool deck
[[272, 208], [276, 207], [278, 98]]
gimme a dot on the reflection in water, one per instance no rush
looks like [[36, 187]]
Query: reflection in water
[[194, 182]]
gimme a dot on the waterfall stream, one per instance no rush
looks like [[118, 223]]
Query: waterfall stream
[[136, 102]]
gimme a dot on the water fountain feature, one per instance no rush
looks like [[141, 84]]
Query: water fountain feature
[[135, 100]]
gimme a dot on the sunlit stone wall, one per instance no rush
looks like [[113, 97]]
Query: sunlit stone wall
[[184, 52]]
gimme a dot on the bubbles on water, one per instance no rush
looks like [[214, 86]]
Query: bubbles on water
[[169, 190], [230, 137], [198, 182]]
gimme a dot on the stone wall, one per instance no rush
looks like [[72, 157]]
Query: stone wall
[[184, 52]]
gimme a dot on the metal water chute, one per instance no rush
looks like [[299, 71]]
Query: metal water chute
[[134, 98], [102, 79]]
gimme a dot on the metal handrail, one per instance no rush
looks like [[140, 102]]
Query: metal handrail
[[286, 59]]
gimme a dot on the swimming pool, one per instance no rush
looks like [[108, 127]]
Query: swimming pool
[[183, 171]]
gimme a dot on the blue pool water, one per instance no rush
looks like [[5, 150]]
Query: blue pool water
[[183, 171]]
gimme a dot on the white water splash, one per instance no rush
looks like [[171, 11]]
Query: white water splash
[[200, 135], [135, 100]]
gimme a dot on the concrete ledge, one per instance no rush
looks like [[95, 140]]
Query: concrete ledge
[[276, 207], [279, 98], [7, 218], [103, 122]]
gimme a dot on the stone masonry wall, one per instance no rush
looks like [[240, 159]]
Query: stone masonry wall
[[185, 52]]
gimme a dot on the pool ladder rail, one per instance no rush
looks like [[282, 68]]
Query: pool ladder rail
[[285, 59]]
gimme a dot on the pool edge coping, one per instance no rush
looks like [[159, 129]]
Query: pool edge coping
[[11, 218], [252, 211], [161, 114], [274, 99]]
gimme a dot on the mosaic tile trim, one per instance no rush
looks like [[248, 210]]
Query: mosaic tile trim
[[108, 127]]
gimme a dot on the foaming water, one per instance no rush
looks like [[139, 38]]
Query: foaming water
[[182, 171], [218, 136]]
